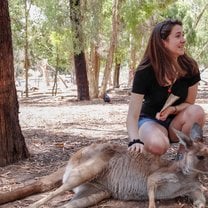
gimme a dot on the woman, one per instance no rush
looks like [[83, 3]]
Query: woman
[[165, 69]]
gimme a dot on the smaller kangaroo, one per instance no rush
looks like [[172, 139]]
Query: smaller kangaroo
[[101, 171]]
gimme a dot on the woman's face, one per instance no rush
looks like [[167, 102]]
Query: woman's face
[[175, 41]]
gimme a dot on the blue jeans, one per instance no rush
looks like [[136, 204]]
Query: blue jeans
[[143, 119]]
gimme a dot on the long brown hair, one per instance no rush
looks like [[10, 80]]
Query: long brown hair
[[160, 58]]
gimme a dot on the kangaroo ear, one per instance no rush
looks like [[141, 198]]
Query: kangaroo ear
[[183, 139], [196, 132]]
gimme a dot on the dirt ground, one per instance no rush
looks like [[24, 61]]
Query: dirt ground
[[55, 127]]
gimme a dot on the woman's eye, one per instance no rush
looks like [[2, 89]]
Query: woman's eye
[[200, 157]]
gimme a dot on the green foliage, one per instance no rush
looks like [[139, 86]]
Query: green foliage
[[45, 19], [179, 11], [137, 13], [50, 33], [96, 21], [59, 49], [17, 23]]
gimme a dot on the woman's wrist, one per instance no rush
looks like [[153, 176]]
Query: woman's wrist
[[134, 141], [175, 110]]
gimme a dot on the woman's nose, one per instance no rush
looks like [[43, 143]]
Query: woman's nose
[[183, 40]]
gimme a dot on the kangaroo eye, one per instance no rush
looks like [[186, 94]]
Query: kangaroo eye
[[200, 157]]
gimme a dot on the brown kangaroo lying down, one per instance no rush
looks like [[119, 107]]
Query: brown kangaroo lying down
[[101, 171]]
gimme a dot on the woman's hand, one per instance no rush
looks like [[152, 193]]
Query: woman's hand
[[136, 147], [164, 114]]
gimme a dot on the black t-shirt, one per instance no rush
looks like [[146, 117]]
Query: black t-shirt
[[155, 95]]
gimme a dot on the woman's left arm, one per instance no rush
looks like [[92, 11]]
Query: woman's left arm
[[190, 100]]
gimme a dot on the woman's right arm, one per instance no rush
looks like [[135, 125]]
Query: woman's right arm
[[135, 105]]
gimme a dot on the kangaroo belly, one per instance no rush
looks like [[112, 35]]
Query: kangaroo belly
[[133, 189], [125, 178]]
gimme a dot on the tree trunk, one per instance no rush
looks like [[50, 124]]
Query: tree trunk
[[116, 75], [55, 82], [93, 71], [43, 65], [113, 41], [26, 61], [132, 63], [12, 143], [79, 55]]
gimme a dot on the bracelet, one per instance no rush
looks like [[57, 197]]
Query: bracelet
[[135, 141]]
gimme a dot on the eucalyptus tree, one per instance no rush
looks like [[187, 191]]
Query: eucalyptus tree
[[94, 21], [60, 22], [136, 19], [13, 146], [21, 28], [133, 27], [55, 24], [43, 18], [57, 45], [79, 54], [112, 47], [27, 6], [22, 24], [17, 26]]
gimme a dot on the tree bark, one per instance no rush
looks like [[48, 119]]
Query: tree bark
[[55, 82], [93, 71], [43, 65], [132, 63], [116, 75], [113, 41], [79, 55], [12, 143], [26, 46]]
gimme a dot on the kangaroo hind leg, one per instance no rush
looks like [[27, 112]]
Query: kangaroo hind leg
[[75, 175], [87, 195]]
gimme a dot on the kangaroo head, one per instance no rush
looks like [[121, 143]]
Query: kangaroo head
[[196, 156]]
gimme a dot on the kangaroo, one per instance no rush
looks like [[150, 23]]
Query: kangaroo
[[101, 171]]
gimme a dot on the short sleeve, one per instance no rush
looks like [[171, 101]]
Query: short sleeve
[[142, 81], [194, 79]]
